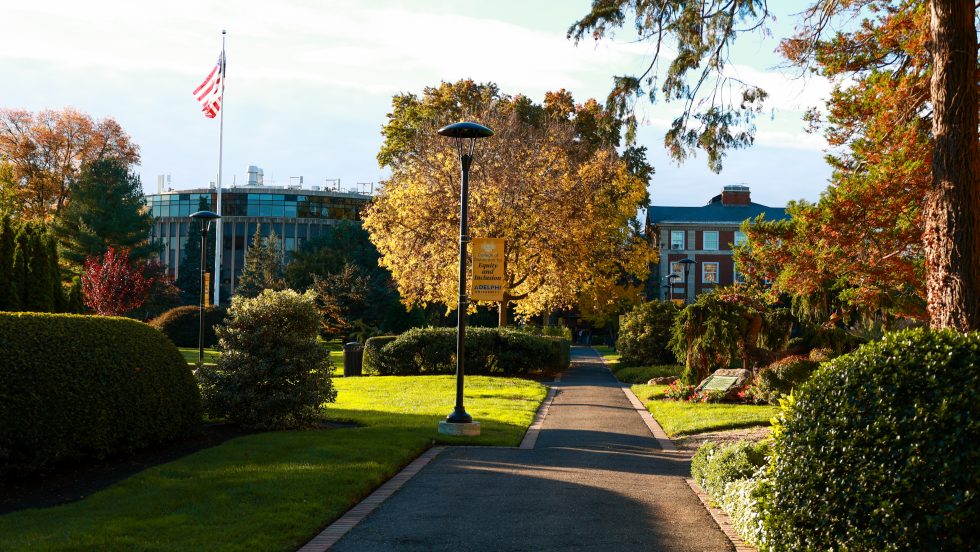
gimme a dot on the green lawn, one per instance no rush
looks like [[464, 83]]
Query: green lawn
[[683, 418], [191, 355], [274, 491], [608, 354]]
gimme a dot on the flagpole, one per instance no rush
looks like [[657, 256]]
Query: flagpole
[[218, 244]]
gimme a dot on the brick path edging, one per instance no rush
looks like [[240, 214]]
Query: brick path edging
[[721, 518]]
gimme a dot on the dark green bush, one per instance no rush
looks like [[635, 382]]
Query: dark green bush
[[645, 333], [372, 358], [878, 451], [181, 325], [272, 373], [781, 377], [488, 351], [715, 466], [74, 387]]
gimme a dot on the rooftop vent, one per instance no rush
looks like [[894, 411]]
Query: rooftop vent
[[255, 176]]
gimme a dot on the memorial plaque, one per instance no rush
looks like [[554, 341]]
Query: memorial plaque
[[719, 383]]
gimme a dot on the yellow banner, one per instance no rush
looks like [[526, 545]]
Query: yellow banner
[[487, 283], [207, 287]]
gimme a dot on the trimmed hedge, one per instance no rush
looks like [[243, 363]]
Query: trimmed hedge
[[181, 325], [878, 451], [489, 351], [74, 387], [371, 361]]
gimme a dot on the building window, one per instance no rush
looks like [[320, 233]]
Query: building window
[[709, 273], [739, 277], [710, 240], [677, 239], [678, 269], [739, 237]]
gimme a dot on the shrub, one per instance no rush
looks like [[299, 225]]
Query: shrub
[[488, 351], [643, 374], [645, 333], [74, 387], [781, 377], [371, 361], [271, 373], [714, 466], [181, 325], [732, 476], [878, 451]]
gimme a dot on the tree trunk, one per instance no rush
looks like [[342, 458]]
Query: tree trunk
[[952, 208], [502, 312]]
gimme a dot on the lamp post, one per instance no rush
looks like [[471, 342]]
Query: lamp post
[[465, 135], [203, 218], [670, 284], [688, 265]]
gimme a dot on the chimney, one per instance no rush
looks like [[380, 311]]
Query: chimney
[[735, 194]]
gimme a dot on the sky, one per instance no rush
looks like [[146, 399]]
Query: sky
[[310, 83]]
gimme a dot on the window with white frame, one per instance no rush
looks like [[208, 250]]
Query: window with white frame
[[709, 273], [710, 240], [739, 277], [678, 269], [677, 239], [739, 237]]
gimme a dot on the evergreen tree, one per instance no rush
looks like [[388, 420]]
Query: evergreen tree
[[263, 266], [37, 294], [189, 279], [75, 299], [107, 208], [8, 293], [19, 273], [57, 286]]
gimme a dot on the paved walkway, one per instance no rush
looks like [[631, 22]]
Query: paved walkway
[[596, 480]]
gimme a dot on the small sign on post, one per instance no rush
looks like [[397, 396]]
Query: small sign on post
[[487, 283]]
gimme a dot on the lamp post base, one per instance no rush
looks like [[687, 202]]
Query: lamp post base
[[470, 429]]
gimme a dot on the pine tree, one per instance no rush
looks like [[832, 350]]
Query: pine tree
[[189, 279], [7, 291], [263, 267], [57, 286], [37, 295], [19, 272], [106, 209], [75, 298]]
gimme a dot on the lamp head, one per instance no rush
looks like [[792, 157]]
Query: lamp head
[[463, 131], [204, 218]]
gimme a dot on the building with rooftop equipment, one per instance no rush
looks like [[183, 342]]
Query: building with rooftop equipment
[[705, 235], [295, 214]]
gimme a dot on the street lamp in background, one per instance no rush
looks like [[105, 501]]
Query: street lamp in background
[[688, 265], [465, 136], [203, 218], [670, 283]]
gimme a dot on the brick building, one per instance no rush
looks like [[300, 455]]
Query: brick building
[[704, 235]]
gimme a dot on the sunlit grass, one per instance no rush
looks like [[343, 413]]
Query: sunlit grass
[[274, 491], [683, 418]]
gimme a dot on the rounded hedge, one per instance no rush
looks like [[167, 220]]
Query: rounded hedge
[[645, 334], [181, 325], [372, 359], [878, 451], [74, 387], [781, 377]]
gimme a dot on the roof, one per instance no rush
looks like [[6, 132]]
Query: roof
[[712, 213]]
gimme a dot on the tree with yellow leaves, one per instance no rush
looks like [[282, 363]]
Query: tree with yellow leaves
[[550, 182]]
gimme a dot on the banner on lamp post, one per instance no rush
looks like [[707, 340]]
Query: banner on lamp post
[[487, 282]]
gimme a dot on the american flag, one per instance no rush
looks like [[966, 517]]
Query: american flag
[[209, 92]]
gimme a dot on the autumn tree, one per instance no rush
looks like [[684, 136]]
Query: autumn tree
[[107, 209], [925, 53], [47, 150], [549, 182], [113, 283]]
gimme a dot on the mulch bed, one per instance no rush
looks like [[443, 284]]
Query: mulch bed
[[76, 481]]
